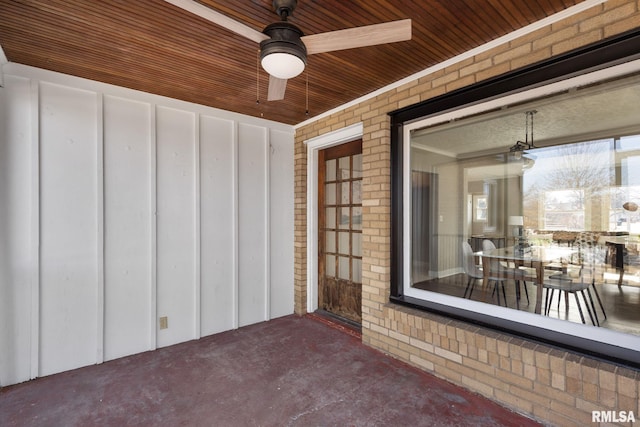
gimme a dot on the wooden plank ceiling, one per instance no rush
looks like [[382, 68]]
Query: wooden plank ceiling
[[153, 46]]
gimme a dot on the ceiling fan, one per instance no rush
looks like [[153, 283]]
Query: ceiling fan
[[284, 47]]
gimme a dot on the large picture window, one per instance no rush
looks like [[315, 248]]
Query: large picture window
[[525, 214]]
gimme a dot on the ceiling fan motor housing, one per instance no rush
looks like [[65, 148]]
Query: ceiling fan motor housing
[[284, 8], [283, 38]]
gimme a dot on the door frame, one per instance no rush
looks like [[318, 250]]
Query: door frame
[[337, 137]]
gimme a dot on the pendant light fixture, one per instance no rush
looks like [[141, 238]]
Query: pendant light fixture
[[518, 151]]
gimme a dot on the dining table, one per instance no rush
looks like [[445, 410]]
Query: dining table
[[535, 257]]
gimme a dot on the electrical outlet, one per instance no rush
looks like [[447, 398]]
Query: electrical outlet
[[164, 322]]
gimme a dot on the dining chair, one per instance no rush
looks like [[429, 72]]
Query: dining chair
[[499, 272], [568, 282], [589, 250], [471, 269], [592, 254]]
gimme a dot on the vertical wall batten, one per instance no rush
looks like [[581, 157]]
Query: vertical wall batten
[[153, 242], [236, 232], [267, 226], [35, 227], [100, 206], [197, 323]]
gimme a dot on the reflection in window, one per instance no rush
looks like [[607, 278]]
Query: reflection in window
[[562, 179], [564, 210]]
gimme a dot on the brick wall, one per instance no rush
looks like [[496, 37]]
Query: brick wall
[[548, 384]]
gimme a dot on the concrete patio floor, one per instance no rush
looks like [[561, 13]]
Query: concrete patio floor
[[291, 371]]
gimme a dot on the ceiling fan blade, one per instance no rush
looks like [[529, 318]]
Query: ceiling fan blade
[[219, 19], [277, 87], [369, 35]]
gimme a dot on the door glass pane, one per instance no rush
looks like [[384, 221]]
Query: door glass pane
[[330, 174], [343, 243], [356, 244], [344, 167], [344, 218], [356, 219], [356, 198], [330, 265], [330, 194], [344, 194], [343, 268], [330, 241], [357, 166], [357, 270], [330, 217]]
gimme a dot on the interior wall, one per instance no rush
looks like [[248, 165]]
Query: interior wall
[[119, 208], [450, 209]]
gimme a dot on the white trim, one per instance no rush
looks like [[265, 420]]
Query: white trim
[[267, 226], [567, 13], [197, 230], [153, 244], [100, 238], [340, 136], [406, 207], [336, 137], [604, 335], [236, 232], [35, 229]]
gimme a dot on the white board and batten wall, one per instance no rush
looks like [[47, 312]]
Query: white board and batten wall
[[119, 207]]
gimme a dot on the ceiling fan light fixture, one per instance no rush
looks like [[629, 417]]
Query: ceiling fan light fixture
[[283, 55], [283, 65]]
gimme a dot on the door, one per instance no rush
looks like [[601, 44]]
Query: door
[[340, 230]]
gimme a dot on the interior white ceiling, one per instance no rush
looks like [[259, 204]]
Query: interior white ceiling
[[580, 114]]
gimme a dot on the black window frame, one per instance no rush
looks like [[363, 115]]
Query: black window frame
[[606, 53]]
